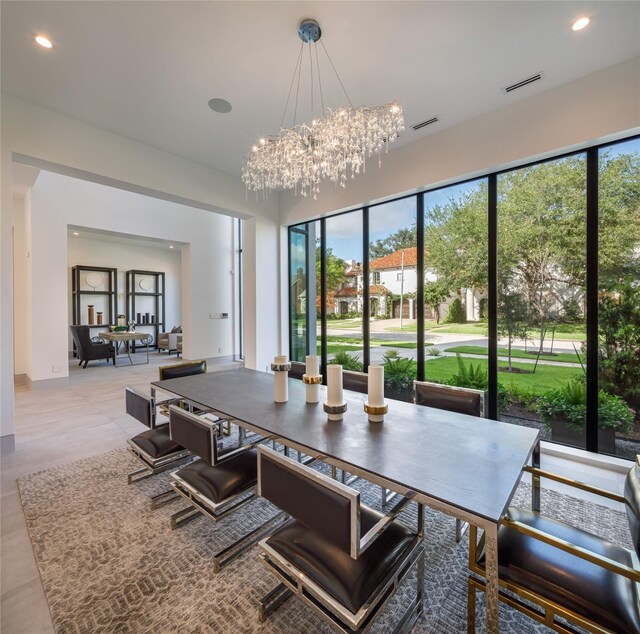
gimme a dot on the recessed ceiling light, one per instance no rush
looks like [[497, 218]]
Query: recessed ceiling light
[[219, 105], [75, 233], [578, 25], [171, 246], [45, 42]]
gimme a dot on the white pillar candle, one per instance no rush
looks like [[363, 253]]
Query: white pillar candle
[[281, 380], [376, 386], [313, 369], [313, 365], [334, 385]]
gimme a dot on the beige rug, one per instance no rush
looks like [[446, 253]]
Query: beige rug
[[111, 564]]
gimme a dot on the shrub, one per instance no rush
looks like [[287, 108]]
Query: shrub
[[399, 372], [433, 352], [569, 403], [572, 311], [483, 306], [526, 396], [473, 376], [347, 361], [456, 313]]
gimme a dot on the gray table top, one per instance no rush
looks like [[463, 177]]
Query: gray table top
[[473, 464]]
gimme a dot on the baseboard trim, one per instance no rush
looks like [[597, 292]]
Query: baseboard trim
[[7, 444]]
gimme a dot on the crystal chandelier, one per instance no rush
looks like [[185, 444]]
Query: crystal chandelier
[[334, 146]]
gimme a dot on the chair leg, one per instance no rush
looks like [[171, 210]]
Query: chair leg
[[163, 498], [85, 365], [471, 607], [184, 516], [80, 363], [271, 601]]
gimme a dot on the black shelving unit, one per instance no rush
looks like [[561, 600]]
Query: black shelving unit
[[142, 302], [106, 298]]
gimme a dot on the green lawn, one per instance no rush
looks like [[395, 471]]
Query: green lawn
[[344, 324], [547, 377], [561, 357], [332, 348]]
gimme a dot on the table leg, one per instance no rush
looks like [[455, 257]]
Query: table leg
[[126, 347], [491, 577], [535, 480]]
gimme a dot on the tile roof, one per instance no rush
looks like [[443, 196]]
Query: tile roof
[[350, 291], [394, 260]]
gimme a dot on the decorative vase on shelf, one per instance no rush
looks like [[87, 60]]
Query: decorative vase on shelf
[[90, 314], [99, 318]]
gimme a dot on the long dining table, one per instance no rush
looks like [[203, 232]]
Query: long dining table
[[459, 464]]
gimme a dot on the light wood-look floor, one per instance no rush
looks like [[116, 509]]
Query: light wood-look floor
[[64, 420], [57, 422]]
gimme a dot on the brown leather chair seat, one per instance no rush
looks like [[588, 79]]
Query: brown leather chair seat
[[227, 478], [350, 581], [156, 442], [572, 582]]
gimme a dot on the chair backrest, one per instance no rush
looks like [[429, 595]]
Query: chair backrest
[[141, 407], [81, 337], [189, 368], [323, 505], [194, 433], [297, 370], [632, 497], [462, 400], [355, 381]]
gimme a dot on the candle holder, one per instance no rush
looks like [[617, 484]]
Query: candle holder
[[312, 382], [376, 413], [335, 412]]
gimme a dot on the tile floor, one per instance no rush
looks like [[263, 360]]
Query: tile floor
[[63, 420]]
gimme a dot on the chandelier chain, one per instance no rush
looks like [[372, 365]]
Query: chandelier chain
[[293, 77], [315, 48], [346, 94]]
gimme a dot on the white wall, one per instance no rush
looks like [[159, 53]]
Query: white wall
[[94, 251], [21, 203], [584, 112], [207, 259]]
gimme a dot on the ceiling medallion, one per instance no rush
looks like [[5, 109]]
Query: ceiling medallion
[[334, 146]]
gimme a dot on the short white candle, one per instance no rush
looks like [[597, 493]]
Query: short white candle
[[334, 385], [281, 358], [313, 365], [376, 386]]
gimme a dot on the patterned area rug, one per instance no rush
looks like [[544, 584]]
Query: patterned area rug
[[111, 564]]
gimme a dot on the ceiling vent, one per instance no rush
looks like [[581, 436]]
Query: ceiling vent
[[417, 126], [524, 82]]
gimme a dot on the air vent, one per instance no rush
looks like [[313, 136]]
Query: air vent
[[417, 126], [524, 82]]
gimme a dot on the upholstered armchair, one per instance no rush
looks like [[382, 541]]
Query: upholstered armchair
[[88, 350], [169, 340]]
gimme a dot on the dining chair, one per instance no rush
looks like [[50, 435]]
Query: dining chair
[[462, 400], [550, 570], [220, 482], [153, 448], [345, 562]]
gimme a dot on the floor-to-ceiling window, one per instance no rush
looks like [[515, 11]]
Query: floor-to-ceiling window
[[344, 299], [619, 298], [393, 293], [504, 279], [541, 298], [455, 285]]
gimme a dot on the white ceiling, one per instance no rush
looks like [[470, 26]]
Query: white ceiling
[[120, 238], [146, 70]]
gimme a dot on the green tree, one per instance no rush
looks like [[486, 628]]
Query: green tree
[[434, 294], [401, 239], [336, 269], [513, 320]]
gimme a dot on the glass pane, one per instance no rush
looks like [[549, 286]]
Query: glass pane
[[541, 298], [619, 306], [392, 294], [344, 290], [455, 288], [298, 292]]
